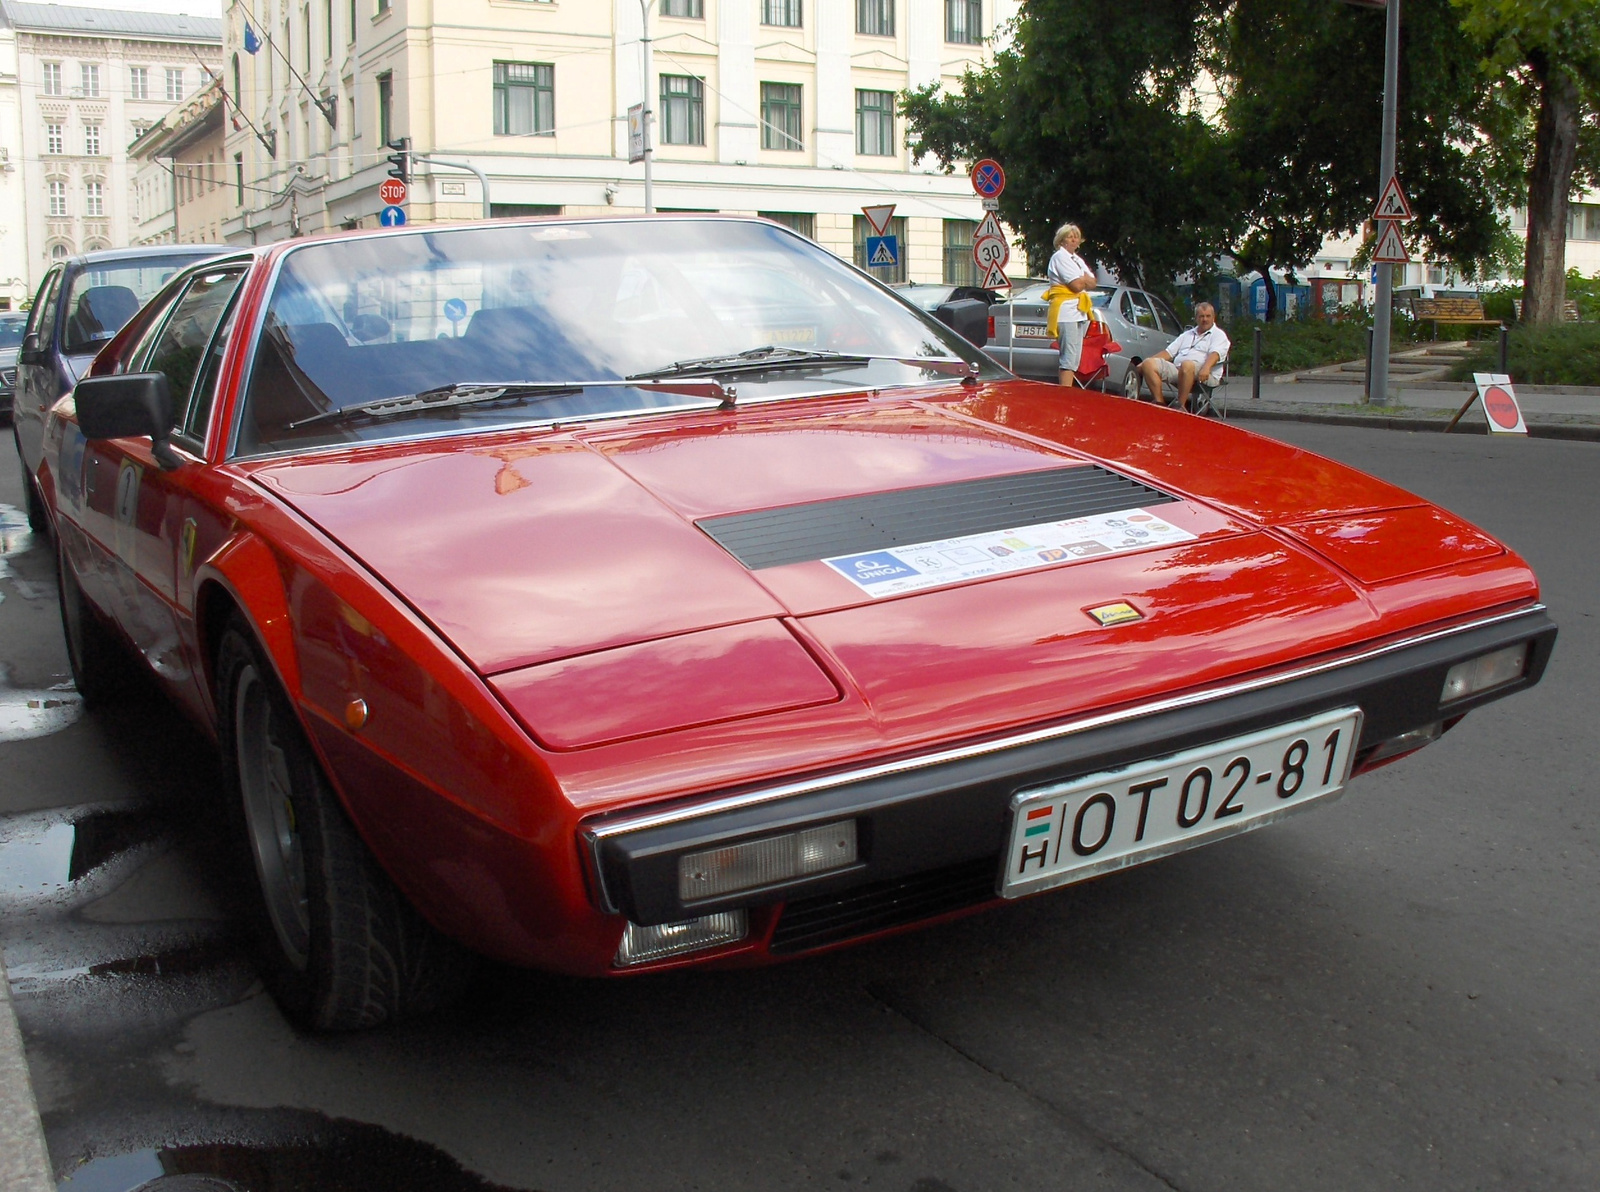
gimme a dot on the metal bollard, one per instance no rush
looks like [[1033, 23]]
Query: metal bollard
[[1368, 385], [1255, 369], [1505, 350]]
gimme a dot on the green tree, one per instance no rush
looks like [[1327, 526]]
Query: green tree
[[1303, 99], [1541, 67], [1087, 111]]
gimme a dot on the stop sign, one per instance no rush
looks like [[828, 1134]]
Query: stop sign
[[392, 191]]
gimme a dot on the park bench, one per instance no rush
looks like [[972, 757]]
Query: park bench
[[1569, 311], [1459, 311]]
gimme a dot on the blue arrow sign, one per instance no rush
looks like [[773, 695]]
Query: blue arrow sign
[[392, 216], [455, 310], [883, 251]]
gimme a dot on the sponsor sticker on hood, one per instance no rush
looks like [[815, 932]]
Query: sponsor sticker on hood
[[898, 569]]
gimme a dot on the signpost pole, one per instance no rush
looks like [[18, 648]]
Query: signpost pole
[[644, 98], [1378, 361]]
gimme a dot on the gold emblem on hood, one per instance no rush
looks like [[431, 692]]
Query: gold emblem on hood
[[1115, 614]]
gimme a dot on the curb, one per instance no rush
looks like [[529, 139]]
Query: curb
[[1577, 432], [24, 1161]]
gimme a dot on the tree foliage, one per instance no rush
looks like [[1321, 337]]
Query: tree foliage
[[1085, 110]]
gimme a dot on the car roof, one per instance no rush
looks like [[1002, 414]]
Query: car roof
[[106, 256]]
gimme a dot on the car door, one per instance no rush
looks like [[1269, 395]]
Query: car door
[[36, 376], [132, 512]]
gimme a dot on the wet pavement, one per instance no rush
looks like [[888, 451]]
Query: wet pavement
[[1396, 990]]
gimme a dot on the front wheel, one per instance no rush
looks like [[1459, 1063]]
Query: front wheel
[[339, 946], [38, 516]]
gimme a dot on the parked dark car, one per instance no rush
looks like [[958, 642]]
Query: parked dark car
[[82, 303], [11, 329]]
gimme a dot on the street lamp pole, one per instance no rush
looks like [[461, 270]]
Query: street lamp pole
[[644, 98], [1382, 315]]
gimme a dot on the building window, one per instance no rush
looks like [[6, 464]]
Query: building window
[[238, 179], [963, 21], [781, 12], [52, 78], [959, 267], [91, 140], [139, 82], [693, 9], [524, 99], [383, 7], [174, 84], [89, 72], [1583, 221], [683, 110], [805, 224], [327, 25], [781, 120], [94, 205], [305, 27], [385, 108], [884, 273], [54, 140], [352, 22], [875, 17], [875, 123], [58, 252], [58, 200]]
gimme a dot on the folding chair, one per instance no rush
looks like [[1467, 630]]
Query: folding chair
[[1210, 398]]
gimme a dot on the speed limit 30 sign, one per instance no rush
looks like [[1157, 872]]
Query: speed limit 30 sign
[[990, 250]]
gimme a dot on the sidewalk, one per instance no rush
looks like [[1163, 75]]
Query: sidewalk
[[24, 1163], [1551, 411]]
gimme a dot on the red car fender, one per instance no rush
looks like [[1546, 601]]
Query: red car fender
[[248, 570]]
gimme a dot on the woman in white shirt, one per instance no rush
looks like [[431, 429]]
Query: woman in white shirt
[[1070, 276]]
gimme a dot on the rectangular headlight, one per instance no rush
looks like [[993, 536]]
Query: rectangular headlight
[[766, 862], [642, 944], [1481, 674]]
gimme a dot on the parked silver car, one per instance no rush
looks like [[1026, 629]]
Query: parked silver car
[[1140, 322], [11, 325]]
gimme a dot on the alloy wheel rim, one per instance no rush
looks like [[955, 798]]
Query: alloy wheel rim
[[275, 841]]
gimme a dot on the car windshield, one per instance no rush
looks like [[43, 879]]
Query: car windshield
[[11, 332], [102, 298], [359, 321]]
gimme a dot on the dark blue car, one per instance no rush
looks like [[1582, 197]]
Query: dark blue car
[[83, 302]]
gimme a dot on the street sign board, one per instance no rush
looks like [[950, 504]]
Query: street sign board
[[883, 251], [636, 133], [1392, 202], [1390, 249], [988, 179], [991, 204], [990, 251], [455, 310], [994, 278], [878, 217], [392, 216], [1500, 404], [988, 229], [392, 191]]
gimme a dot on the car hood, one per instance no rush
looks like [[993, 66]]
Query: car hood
[[529, 551]]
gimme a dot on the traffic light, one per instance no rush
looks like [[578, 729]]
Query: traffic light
[[400, 161]]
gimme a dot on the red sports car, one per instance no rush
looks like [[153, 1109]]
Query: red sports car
[[608, 596]]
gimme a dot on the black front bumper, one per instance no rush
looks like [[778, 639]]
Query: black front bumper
[[950, 809]]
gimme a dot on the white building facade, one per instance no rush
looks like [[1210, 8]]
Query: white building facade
[[89, 82], [778, 107], [13, 212]]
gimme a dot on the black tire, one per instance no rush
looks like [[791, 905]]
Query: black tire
[[38, 516], [338, 945], [102, 668], [1130, 381]]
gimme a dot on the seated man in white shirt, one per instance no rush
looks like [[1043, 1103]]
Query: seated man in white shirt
[[1195, 357]]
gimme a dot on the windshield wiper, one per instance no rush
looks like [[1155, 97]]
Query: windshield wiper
[[774, 358], [469, 393]]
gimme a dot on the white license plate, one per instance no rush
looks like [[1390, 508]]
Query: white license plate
[[1074, 830], [1024, 331]]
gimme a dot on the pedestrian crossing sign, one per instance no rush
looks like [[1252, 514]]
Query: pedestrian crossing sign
[[883, 251]]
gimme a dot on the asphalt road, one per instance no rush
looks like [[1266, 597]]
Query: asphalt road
[[1397, 990]]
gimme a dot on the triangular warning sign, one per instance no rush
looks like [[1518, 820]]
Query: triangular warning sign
[[1392, 202], [994, 278], [879, 217], [882, 255], [989, 229], [1390, 249]]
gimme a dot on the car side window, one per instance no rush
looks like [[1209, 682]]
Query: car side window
[[181, 344], [1136, 310], [205, 389], [1168, 321], [43, 319]]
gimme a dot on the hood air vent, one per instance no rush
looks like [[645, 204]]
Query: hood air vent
[[854, 525]]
